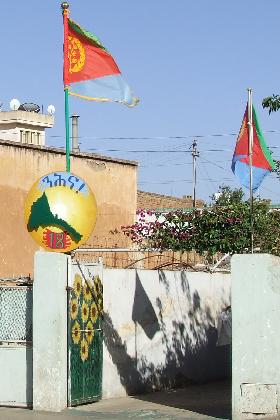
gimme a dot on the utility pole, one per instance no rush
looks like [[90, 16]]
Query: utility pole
[[195, 154]]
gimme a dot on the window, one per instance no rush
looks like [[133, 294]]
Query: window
[[23, 136], [32, 137], [27, 136]]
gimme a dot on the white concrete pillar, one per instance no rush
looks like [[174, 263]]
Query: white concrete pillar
[[50, 332], [255, 336]]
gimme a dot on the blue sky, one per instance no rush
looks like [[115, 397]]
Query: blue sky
[[189, 62]]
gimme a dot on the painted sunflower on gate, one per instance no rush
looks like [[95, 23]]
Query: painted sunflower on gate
[[84, 350], [89, 332], [86, 306], [97, 286], [100, 305], [93, 312], [76, 332], [77, 285], [85, 311], [87, 292], [74, 308]]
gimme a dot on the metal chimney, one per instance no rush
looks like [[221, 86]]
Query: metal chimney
[[75, 137]]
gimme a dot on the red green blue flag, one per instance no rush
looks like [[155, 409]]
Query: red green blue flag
[[262, 162], [90, 71]]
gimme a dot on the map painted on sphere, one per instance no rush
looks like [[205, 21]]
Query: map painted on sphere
[[41, 215], [60, 211]]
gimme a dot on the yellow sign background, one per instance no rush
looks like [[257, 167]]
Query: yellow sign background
[[60, 212]]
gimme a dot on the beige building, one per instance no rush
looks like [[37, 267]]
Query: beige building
[[24, 127], [113, 182]]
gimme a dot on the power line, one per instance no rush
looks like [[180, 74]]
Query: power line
[[159, 158], [210, 181], [200, 136], [164, 165], [186, 163], [158, 151], [215, 164], [143, 151], [189, 181]]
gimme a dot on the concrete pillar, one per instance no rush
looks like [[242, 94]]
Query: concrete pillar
[[255, 336], [50, 332]]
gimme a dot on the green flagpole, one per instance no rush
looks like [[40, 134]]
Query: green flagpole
[[65, 12], [67, 129]]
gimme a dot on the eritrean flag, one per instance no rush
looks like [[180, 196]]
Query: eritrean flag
[[89, 69], [262, 162]]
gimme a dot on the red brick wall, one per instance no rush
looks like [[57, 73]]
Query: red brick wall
[[152, 201]]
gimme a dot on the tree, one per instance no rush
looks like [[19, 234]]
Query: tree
[[221, 226], [272, 103], [226, 196]]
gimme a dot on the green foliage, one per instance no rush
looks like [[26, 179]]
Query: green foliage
[[226, 196], [277, 168], [222, 226], [272, 103], [270, 237]]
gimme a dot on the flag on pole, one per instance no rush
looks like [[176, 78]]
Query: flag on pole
[[90, 71], [262, 162]]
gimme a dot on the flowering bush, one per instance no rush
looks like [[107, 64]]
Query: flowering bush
[[222, 226]]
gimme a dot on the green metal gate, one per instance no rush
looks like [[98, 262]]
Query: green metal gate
[[85, 335]]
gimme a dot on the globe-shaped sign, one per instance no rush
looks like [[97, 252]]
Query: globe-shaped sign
[[60, 211]]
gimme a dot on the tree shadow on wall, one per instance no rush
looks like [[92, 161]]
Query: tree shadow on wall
[[143, 312], [130, 377], [191, 354]]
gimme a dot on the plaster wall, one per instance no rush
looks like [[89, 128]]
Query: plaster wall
[[159, 332], [50, 332], [160, 329], [16, 375], [112, 181], [12, 132], [255, 336], [21, 118]]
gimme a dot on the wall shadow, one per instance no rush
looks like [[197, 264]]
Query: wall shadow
[[191, 357], [212, 399], [143, 312], [126, 365]]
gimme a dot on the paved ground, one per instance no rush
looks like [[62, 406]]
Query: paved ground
[[194, 402]]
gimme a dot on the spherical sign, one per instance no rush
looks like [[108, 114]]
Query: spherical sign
[[60, 211]]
